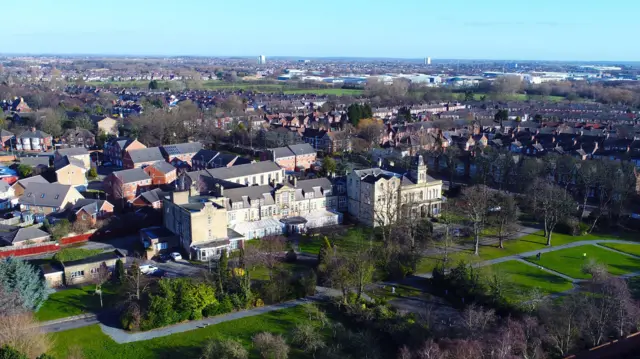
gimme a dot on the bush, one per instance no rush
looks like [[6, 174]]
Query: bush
[[569, 226], [92, 173], [60, 229], [130, 319], [271, 346], [307, 338], [226, 305], [7, 352], [584, 228], [224, 349], [291, 256]]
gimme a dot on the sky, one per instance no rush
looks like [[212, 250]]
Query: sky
[[578, 30]]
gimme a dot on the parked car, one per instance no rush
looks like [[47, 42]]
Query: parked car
[[163, 258], [176, 256], [148, 268]]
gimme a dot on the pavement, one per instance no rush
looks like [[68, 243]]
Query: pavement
[[78, 321]]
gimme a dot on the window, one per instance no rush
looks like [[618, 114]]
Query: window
[[160, 246], [42, 195], [77, 274]]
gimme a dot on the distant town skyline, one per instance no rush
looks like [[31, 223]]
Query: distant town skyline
[[412, 29]]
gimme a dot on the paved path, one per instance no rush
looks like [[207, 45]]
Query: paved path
[[543, 250], [60, 325]]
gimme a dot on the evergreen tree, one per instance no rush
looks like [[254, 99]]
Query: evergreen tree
[[354, 111], [119, 273], [18, 276], [223, 271], [367, 112], [7, 352]]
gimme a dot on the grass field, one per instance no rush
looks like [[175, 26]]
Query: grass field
[[626, 248], [521, 279], [571, 260], [528, 243], [337, 92], [348, 243], [96, 345], [74, 301]]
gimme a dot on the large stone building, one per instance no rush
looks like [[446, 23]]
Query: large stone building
[[378, 196]]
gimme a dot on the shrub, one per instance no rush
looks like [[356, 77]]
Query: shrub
[[22, 333], [226, 305], [60, 229], [291, 256], [307, 338], [271, 346], [224, 349], [7, 352], [92, 173], [569, 226]]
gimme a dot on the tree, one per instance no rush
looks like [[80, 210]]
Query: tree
[[224, 349], [153, 85], [354, 112], [23, 333], [92, 173], [307, 338], [271, 346], [552, 204], [20, 277], [120, 274], [136, 282], [7, 352], [329, 165], [100, 277], [50, 121], [503, 215], [272, 249], [474, 205], [561, 323], [25, 171], [501, 116], [451, 155]]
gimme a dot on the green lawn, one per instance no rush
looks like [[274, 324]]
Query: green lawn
[[74, 301], [262, 273], [521, 279], [528, 243], [354, 239], [626, 248], [96, 345], [571, 260]]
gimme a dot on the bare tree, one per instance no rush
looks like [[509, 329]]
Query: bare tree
[[504, 216], [136, 282], [100, 277], [476, 319], [23, 333], [562, 323], [474, 205], [272, 250], [552, 204]]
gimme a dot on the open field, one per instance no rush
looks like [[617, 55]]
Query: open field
[[626, 248], [521, 279], [96, 345], [332, 91], [347, 243], [528, 243], [73, 301], [570, 261]]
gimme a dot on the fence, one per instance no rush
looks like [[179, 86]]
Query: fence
[[29, 250]]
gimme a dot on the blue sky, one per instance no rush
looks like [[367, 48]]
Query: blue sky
[[465, 29]]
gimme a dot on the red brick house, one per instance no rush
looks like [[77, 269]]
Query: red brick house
[[141, 157], [127, 184], [151, 199], [161, 173], [91, 210], [181, 152], [294, 157], [115, 148]]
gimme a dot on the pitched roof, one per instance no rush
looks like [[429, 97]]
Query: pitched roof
[[205, 155], [45, 194], [302, 149], [13, 234], [182, 148], [150, 154], [34, 161], [34, 134], [243, 170], [282, 152], [90, 205], [163, 167], [34, 179], [72, 151], [66, 160], [5, 133], [152, 196], [132, 175]]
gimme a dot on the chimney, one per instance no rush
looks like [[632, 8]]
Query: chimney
[[380, 162], [553, 139]]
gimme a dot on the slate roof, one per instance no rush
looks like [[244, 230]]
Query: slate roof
[[302, 149], [150, 154], [163, 167], [34, 161], [34, 179], [5, 133], [45, 194], [132, 175], [66, 160], [34, 134], [182, 148], [91, 206], [72, 151], [249, 194], [282, 152], [205, 155], [13, 234], [243, 170], [152, 196]]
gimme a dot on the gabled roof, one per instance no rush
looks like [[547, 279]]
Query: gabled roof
[[151, 154], [152, 196], [72, 151], [34, 161], [89, 205], [34, 179], [66, 160], [5, 133], [182, 148], [205, 155], [163, 167], [243, 170], [302, 149], [132, 175], [13, 234], [45, 194], [34, 134], [282, 152]]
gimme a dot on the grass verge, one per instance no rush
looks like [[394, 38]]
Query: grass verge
[[74, 301], [626, 248]]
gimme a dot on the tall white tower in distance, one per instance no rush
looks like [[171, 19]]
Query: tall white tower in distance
[[427, 61], [262, 60]]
